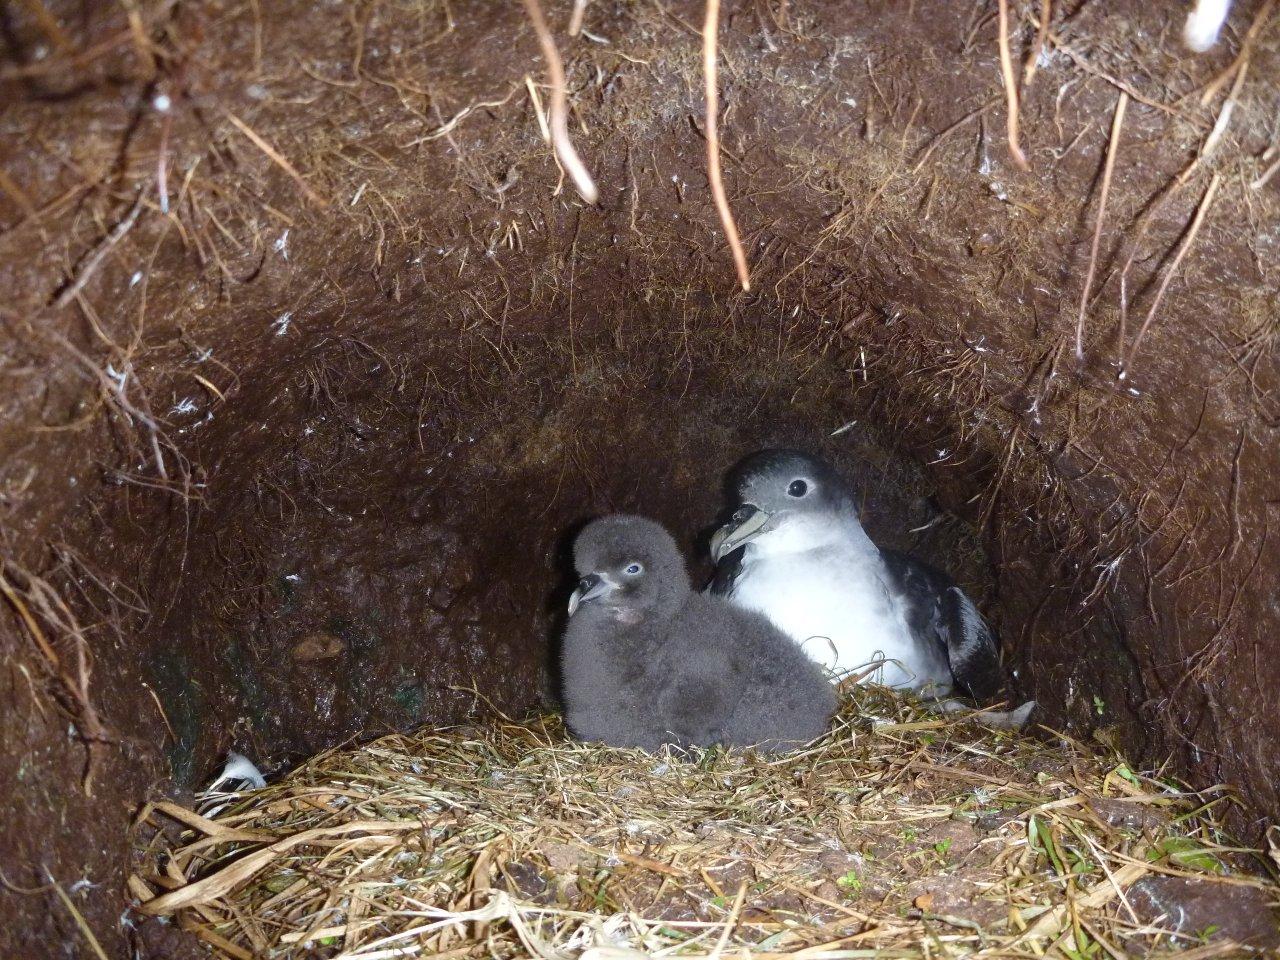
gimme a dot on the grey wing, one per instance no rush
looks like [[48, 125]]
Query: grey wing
[[939, 609]]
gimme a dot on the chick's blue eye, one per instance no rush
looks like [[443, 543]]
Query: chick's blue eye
[[634, 569], [798, 488]]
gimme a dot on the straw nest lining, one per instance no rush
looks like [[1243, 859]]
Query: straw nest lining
[[899, 834]]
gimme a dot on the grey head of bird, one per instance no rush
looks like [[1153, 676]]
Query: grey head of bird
[[631, 568], [787, 501]]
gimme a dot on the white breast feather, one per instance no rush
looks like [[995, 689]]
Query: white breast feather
[[835, 603]]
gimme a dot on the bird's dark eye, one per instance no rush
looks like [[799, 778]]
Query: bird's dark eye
[[798, 488], [634, 569]]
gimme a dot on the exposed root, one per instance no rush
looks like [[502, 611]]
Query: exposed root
[[89, 265], [81, 923], [1083, 62], [114, 386], [447, 128], [1189, 239], [277, 158], [27, 591], [948, 130], [1266, 175], [15, 193], [560, 141], [48, 24], [1113, 148], [76, 62], [710, 31], [1042, 34], [1224, 115], [1242, 58], [1010, 90], [576, 18]]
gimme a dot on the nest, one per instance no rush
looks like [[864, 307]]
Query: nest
[[900, 834]]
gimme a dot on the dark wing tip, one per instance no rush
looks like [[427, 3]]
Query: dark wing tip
[[726, 573], [972, 648]]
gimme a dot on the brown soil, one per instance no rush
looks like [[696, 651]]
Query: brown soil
[[356, 428]]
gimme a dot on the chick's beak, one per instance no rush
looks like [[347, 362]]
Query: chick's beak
[[747, 523], [590, 587]]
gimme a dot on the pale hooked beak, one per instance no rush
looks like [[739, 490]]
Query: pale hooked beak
[[747, 524], [590, 587]]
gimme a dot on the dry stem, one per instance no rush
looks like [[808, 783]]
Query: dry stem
[[508, 839]]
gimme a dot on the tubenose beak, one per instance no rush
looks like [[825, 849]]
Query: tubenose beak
[[747, 523], [590, 587]]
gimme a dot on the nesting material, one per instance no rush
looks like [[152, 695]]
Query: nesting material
[[901, 834]]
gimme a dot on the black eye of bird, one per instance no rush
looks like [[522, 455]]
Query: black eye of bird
[[798, 488], [634, 569]]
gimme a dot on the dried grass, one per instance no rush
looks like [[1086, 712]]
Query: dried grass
[[900, 834]]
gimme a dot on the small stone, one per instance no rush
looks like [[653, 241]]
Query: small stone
[[561, 857], [982, 245], [317, 646], [958, 897], [1124, 814]]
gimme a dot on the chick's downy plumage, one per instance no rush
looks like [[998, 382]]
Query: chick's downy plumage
[[647, 661]]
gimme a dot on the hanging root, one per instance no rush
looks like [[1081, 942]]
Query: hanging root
[[1112, 149], [576, 18], [1010, 89], [1205, 202], [560, 141], [1042, 34], [709, 31]]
